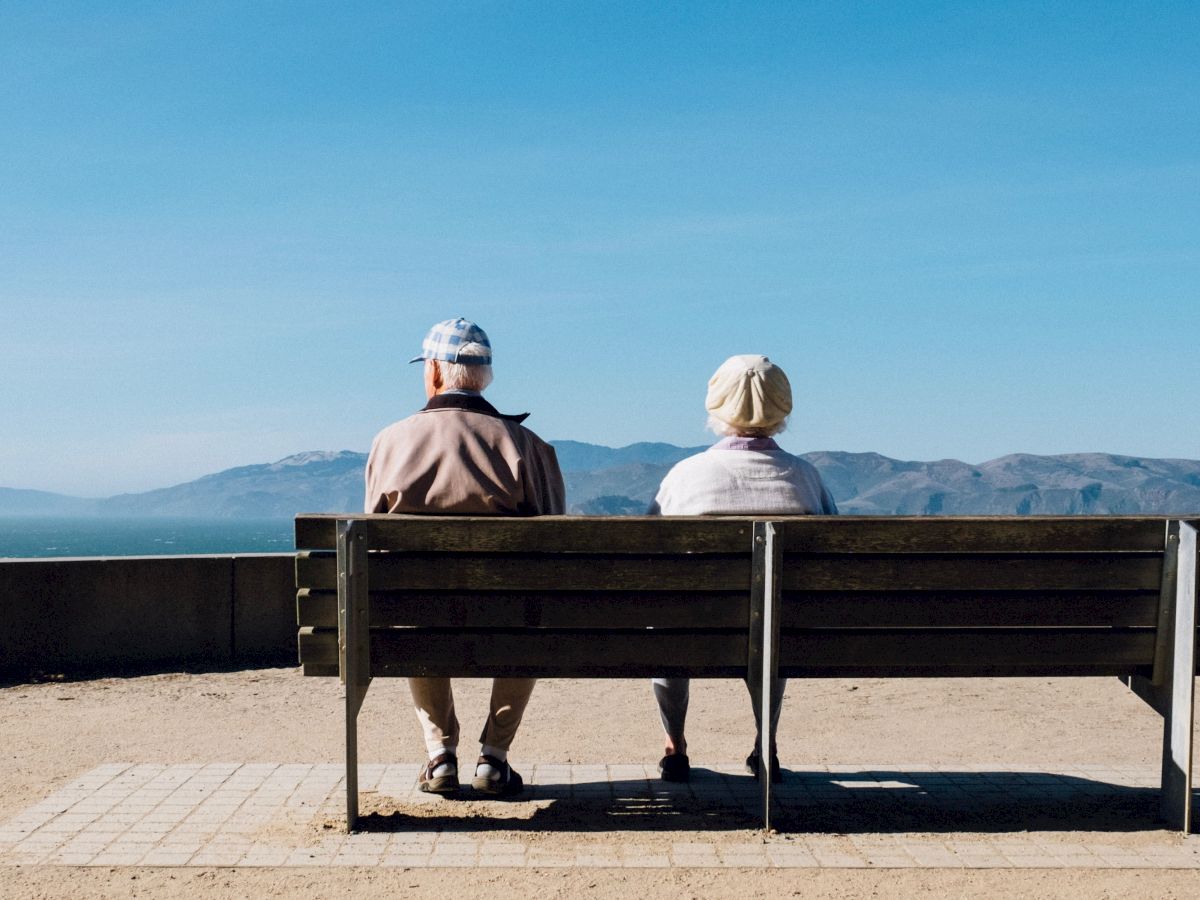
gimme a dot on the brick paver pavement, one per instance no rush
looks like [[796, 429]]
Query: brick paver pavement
[[267, 814]]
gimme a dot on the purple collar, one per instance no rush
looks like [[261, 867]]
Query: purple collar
[[759, 444]]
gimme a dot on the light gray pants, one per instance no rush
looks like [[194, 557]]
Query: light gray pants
[[672, 697]]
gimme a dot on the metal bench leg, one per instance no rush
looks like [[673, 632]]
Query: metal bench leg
[[354, 648], [1180, 682], [1171, 690], [763, 663]]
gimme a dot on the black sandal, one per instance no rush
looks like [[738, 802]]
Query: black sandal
[[754, 766], [675, 767]]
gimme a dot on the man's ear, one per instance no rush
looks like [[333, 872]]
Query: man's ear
[[435, 375]]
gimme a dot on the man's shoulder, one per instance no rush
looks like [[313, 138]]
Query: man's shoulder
[[530, 435], [399, 427]]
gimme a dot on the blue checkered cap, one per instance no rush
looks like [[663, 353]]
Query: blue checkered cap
[[456, 341]]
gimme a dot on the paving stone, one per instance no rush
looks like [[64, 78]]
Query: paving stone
[[647, 861], [163, 857], [502, 861], [835, 860], [538, 857], [112, 858], [412, 860], [745, 861], [1034, 862], [306, 858], [599, 860], [890, 862], [1081, 861], [265, 856], [69, 859], [451, 860]]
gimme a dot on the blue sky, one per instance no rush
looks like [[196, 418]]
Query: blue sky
[[963, 229]]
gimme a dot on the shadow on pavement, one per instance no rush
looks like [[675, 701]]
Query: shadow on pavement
[[861, 802]]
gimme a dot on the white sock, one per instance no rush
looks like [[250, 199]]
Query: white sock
[[486, 770], [445, 768]]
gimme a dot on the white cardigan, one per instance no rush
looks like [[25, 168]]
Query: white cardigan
[[728, 479]]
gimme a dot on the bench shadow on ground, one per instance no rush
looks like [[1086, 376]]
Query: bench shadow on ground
[[862, 802]]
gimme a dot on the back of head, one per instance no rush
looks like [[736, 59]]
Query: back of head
[[749, 394], [465, 376]]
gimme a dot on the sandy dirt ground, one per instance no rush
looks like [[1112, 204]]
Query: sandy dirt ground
[[53, 732]]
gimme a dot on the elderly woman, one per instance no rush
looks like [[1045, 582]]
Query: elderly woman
[[745, 472]]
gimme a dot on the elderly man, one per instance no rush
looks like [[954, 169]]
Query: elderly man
[[749, 399], [460, 456]]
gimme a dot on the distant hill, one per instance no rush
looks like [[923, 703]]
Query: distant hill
[[316, 481], [622, 481], [1019, 484], [18, 502], [574, 456]]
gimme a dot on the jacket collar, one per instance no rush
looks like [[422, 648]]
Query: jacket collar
[[470, 403]]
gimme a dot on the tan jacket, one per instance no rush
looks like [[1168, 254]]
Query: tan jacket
[[458, 456]]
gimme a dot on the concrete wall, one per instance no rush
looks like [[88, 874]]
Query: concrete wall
[[140, 613]]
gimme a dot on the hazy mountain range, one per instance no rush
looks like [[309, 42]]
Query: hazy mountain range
[[622, 481]]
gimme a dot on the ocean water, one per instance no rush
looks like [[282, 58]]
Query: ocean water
[[47, 536]]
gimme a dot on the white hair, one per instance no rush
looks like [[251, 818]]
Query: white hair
[[463, 377], [724, 429]]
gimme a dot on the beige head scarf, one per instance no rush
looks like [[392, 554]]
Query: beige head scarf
[[749, 392]]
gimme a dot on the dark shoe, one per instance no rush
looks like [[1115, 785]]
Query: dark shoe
[[442, 784], [753, 762], [675, 767], [507, 785]]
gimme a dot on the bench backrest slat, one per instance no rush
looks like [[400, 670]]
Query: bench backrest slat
[[969, 534], [996, 571], [969, 608], [549, 534], [546, 609], [865, 653], [613, 653], [488, 572]]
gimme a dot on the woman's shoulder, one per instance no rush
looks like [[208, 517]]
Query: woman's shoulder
[[697, 462]]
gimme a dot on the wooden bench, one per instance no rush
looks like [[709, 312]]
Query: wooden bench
[[752, 597]]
